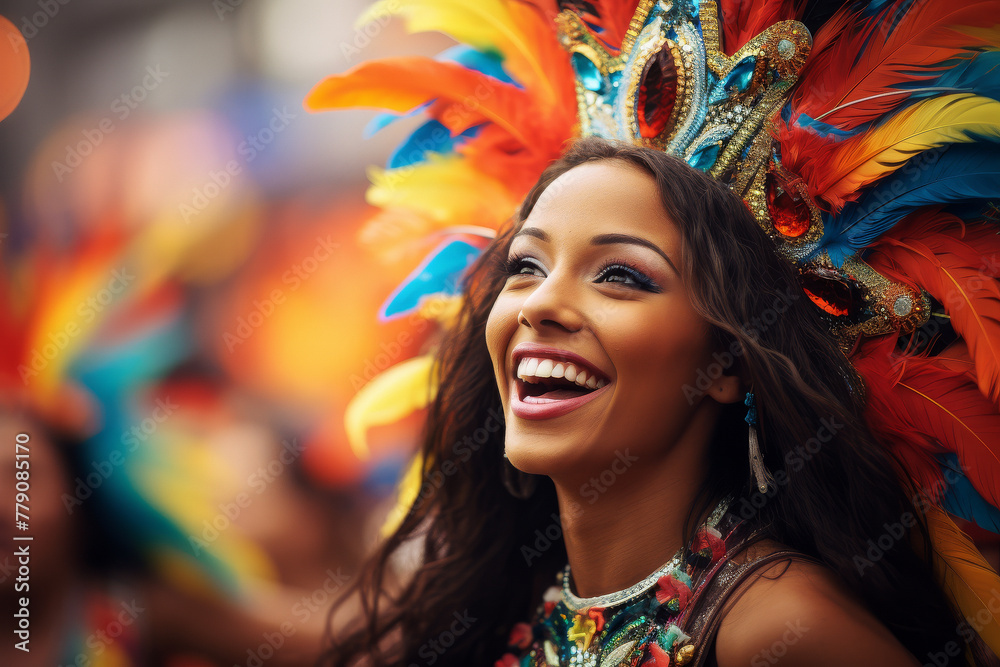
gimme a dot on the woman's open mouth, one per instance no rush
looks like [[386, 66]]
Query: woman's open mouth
[[547, 388]]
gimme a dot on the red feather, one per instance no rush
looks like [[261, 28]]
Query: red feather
[[854, 59], [886, 412], [741, 21], [921, 407], [958, 265]]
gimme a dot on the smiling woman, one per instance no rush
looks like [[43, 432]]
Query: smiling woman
[[618, 324]]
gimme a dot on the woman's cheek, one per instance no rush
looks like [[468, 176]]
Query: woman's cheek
[[500, 326]]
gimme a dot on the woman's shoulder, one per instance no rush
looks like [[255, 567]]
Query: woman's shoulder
[[798, 611]]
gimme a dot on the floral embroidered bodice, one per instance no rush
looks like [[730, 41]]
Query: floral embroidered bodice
[[639, 626]]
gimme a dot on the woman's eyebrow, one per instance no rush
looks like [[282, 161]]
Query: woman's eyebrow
[[531, 231], [610, 239]]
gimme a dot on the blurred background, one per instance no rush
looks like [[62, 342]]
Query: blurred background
[[186, 309]]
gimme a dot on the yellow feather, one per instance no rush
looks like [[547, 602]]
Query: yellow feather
[[486, 25], [390, 396], [971, 582], [71, 317], [406, 495], [949, 119], [444, 189]]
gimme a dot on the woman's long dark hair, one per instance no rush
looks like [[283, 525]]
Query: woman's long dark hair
[[487, 557]]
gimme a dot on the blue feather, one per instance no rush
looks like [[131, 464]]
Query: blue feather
[[977, 74], [440, 273], [486, 62], [962, 173], [383, 120], [962, 499], [431, 137]]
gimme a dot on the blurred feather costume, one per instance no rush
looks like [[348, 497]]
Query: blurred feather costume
[[86, 335], [866, 151]]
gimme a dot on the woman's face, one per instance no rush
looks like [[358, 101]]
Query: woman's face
[[595, 288]]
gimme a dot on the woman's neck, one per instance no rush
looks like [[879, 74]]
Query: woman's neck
[[618, 533]]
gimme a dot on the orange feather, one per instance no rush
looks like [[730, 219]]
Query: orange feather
[[970, 580], [465, 97]]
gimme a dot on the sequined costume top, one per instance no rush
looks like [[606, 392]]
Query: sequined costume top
[[668, 618]]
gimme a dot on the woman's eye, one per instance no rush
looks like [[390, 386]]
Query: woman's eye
[[627, 275], [517, 265]]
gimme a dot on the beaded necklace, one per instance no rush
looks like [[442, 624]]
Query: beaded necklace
[[620, 628]]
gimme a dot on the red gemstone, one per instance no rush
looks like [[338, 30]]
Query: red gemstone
[[832, 294], [789, 212], [657, 92]]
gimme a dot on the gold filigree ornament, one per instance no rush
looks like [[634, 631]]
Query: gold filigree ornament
[[671, 86]]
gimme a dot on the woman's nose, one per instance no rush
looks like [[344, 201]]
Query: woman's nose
[[554, 303]]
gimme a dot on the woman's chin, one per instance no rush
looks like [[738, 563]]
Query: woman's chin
[[543, 456]]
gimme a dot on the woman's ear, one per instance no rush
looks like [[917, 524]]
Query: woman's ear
[[727, 389]]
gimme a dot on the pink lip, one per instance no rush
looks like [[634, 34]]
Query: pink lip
[[548, 409]]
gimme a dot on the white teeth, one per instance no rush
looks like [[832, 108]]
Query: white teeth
[[530, 369]]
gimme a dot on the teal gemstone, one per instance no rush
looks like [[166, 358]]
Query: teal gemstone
[[742, 74], [704, 157], [587, 73]]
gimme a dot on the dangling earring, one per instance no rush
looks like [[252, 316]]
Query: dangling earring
[[761, 474], [519, 484]]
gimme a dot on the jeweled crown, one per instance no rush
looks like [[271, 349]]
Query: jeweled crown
[[671, 86]]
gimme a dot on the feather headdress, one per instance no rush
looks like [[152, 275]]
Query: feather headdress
[[867, 152]]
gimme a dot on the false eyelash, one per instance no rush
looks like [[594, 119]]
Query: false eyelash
[[513, 264], [644, 281]]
